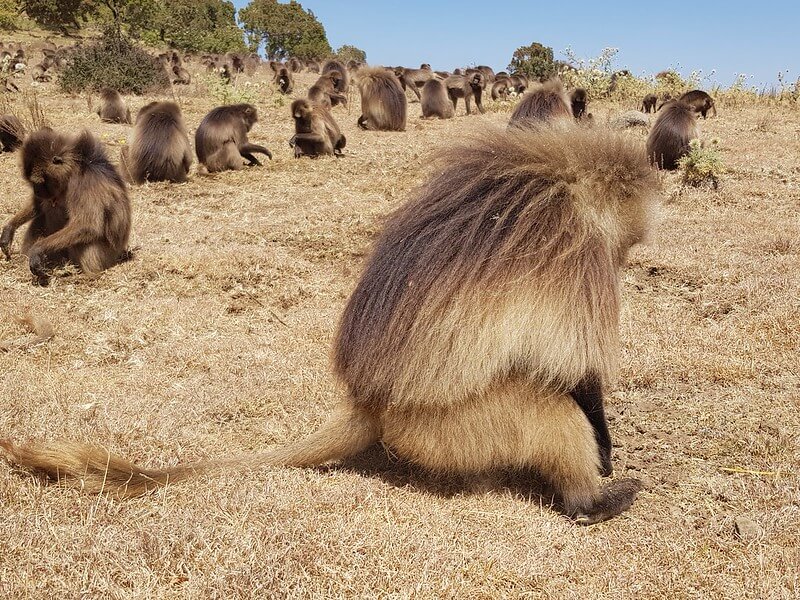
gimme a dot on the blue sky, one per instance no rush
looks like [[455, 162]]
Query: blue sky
[[756, 38]]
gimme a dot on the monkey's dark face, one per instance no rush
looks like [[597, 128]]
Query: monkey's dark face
[[47, 163], [247, 113], [301, 111]]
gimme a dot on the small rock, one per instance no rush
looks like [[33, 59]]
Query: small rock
[[747, 530]]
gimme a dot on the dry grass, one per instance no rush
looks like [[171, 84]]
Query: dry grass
[[214, 340]]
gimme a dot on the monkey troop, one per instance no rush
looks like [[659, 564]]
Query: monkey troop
[[483, 330], [79, 210]]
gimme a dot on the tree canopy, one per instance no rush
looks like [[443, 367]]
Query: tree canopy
[[535, 61], [348, 52], [58, 15], [199, 25], [284, 29]]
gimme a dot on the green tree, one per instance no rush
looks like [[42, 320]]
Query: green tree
[[65, 15], [134, 16], [58, 15], [9, 11], [535, 61], [347, 52], [201, 25], [284, 29]]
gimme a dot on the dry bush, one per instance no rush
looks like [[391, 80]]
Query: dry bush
[[702, 165]]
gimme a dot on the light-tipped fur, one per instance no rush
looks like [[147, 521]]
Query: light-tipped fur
[[435, 102], [112, 107], [674, 128], [542, 103], [383, 101], [159, 148], [316, 132], [12, 133], [487, 298]]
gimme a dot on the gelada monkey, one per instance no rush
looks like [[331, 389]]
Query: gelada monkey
[[79, 210], [489, 297]]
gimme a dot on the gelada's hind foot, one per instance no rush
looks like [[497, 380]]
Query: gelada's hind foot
[[615, 497]]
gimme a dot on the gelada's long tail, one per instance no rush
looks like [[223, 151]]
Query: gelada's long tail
[[96, 471], [39, 326]]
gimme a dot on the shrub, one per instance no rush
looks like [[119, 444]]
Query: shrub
[[347, 52], [702, 165], [534, 61], [228, 93], [117, 63], [9, 11]]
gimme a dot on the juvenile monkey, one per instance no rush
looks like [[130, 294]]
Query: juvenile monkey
[[284, 80], [112, 107], [483, 327], [316, 131]]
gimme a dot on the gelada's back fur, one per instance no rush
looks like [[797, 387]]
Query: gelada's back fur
[[675, 127], [506, 261], [487, 297], [159, 147], [383, 101], [543, 102]]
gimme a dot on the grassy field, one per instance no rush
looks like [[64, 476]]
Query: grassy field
[[214, 340]]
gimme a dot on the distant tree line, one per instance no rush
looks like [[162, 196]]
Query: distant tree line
[[281, 29]]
